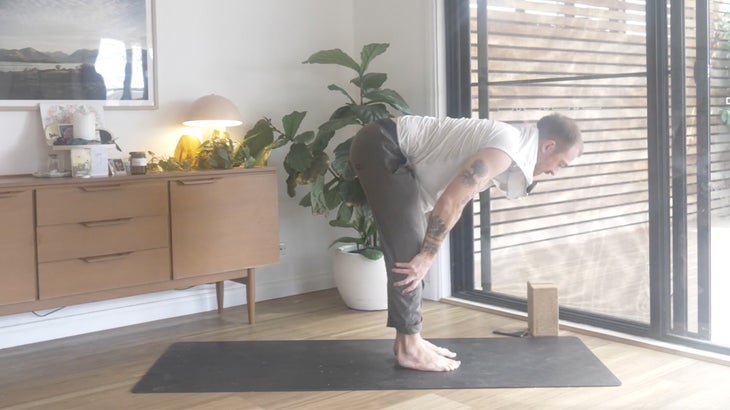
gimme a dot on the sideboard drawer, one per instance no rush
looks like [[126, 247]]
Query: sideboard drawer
[[17, 247], [237, 216], [84, 275], [102, 201], [92, 238]]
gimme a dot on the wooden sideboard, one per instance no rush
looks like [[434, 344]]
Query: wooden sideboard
[[67, 241]]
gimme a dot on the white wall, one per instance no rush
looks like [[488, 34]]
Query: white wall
[[410, 62], [251, 52]]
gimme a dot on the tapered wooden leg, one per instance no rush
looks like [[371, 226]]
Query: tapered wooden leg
[[251, 294], [219, 295]]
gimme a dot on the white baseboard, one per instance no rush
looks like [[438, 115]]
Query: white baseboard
[[26, 328]]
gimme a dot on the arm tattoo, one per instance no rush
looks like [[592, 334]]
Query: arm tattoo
[[435, 233], [436, 230], [477, 170]]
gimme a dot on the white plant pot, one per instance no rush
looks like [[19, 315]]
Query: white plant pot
[[362, 282]]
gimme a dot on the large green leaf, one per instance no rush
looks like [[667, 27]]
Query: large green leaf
[[371, 228], [289, 170], [299, 157], [344, 111], [258, 137], [337, 124], [305, 137], [369, 52], [333, 56], [361, 216], [389, 97], [223, 156], [319, 166], [332, 199], [317, 197], [347, 239], [370, 81], [291, 184], [292, 122], [280, 142], [335, 87], [351, 192], [372, 253], [341, 163], [323, 199], [321, 140], [344, 214], [371, 112], [242, 155], [262, 158]]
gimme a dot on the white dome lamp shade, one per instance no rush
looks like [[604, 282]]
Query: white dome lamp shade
[[213, 111]]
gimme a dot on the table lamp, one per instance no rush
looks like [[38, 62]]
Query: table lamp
[[213, 112]]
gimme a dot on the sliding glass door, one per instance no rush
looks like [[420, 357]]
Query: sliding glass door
[[631, 233], [699, 169]]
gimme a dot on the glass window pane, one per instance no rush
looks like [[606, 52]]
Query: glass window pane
[[585, 229]]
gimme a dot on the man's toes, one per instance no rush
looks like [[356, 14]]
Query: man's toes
[[446, 352], [442, 351], [454, 365]]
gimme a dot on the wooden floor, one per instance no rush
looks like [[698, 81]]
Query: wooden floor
[[97, 371]]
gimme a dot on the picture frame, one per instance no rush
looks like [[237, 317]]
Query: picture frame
[[66, 131], [117, 167], [78, 50]]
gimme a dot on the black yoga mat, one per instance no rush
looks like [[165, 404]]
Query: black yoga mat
[[320, 365]]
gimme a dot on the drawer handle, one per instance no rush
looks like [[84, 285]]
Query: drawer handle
[[197, 181], [105, 258], [97, 188], [10, 194], [108, 222]]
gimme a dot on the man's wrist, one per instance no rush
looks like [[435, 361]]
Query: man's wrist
[[430, 249]]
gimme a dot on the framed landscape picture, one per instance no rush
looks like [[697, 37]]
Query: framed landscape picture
[[77, 50]]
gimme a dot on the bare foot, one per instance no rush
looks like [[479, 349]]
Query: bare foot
[[440, 350], [413, 352]]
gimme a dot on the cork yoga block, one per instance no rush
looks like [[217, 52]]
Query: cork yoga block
[[542, 309]]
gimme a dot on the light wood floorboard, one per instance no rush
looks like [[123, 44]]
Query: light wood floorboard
[[97, 371]]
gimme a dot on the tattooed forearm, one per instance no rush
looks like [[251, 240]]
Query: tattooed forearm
[[429, 247], [435, 234], [472, 175], [443, 218], [436, 227]]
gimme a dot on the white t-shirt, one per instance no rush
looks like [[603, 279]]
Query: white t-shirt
[[436, 148]]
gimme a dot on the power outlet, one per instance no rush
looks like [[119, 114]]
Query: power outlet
[[282, 249]]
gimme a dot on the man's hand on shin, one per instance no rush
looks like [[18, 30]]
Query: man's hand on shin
[[415, 271]]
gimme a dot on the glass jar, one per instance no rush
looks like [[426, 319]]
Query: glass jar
[[52, 163], [138, 163]]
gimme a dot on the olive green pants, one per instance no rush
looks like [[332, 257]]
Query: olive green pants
[[392, 194]]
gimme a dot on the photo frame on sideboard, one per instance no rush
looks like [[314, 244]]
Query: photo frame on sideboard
[[94, 50], [117, 167]]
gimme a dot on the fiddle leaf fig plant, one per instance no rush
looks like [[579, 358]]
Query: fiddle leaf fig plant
[[328, 173], [259, 141]]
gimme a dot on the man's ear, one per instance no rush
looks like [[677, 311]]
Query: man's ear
[[548, 146]]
